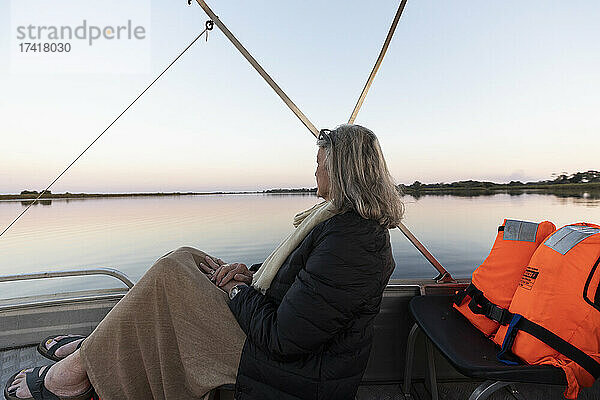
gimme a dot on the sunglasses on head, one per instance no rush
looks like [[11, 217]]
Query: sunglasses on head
[[327, 135]]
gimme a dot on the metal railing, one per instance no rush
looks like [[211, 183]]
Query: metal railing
[[70, 273]]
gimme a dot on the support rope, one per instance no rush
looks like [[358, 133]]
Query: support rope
[[208, 26]]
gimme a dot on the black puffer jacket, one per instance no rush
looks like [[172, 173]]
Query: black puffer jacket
[[310, 336]]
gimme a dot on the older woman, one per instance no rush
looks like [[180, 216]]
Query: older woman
[[300, 327]]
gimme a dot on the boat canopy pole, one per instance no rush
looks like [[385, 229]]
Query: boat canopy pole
[[444, 276], [259, 69], [386, 44]]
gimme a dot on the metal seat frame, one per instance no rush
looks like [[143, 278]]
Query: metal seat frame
[[483, 391]]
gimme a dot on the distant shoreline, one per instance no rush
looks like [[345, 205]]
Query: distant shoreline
[[470, 188], [67, 195], [550, 188]]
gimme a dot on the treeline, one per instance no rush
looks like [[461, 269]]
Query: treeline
[[35, 193], [579, 179], [301, 190]]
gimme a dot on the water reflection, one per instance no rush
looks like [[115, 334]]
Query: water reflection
[[130, 233], [45, 202]]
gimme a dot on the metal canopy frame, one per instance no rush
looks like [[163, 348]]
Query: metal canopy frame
[[259, 69]]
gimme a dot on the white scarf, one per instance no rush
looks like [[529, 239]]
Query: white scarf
[[303, 222]]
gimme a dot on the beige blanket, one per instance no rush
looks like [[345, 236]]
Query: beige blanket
[[303, 222]]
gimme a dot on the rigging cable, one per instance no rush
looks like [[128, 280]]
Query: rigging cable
[[444, 275], [207, 27]]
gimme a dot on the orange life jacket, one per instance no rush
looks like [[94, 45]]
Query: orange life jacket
[[495, 281], [555, 311]]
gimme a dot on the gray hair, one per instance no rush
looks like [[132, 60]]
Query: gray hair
[[359, 179]]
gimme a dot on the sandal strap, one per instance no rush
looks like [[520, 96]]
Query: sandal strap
[[63, 342], [35, 383]]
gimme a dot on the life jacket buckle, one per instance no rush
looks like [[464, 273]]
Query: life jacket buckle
[[499, 314]]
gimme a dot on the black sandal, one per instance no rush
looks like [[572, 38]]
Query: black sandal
[[50, 353], [35, 383]]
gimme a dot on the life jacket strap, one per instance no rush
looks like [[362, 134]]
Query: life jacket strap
[[509, 339], [519, 322], [479, 304], [492, 311], [459, 297], [595, 302]]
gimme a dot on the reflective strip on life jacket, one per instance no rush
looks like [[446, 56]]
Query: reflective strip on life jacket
[[569, 236], [484, 302], [521, 231]]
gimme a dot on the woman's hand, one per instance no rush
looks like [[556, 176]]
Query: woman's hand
[[222, 273], [211, 266], [235, 271]]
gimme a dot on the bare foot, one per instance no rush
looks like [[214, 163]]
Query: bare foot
[[66, 378], [65, 350]]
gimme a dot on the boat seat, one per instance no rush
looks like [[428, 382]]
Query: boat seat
[[467, 349]]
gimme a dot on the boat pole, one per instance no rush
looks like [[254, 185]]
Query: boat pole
[[443, 276], [259, 69], [384, 48]]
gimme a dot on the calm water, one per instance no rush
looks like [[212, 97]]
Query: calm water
[[130, 233]]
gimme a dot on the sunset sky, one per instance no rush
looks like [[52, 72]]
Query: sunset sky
[[469, 90]]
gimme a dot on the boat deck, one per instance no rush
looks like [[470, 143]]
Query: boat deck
[[17, 359]]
